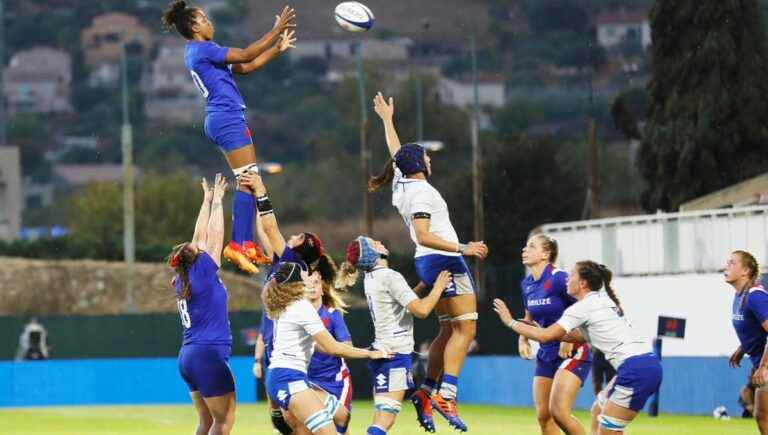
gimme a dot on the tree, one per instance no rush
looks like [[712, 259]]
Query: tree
[[526, 183], [166, 208], [708, 100]]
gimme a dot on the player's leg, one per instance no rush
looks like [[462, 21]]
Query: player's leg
[[637, 379], [463, 311], [565, 387], [421, 397], [279, 420], [337, 399], [542, 386], [308, 408], [388, 406], [230, 132], [222, 409], [205, 419], [761, 409]]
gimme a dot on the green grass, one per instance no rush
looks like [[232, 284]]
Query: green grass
[[253, 419]]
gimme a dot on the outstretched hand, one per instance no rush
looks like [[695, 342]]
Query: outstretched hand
[[285, 20], [501, 309], [286, 41], [207, 191], [385, 109], [219, 187]]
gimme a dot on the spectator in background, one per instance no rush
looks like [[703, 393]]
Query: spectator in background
[[602, 371], [33, 342]]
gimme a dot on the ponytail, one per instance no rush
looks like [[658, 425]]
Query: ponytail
[[607, 275], [598, 276], [347, 276], [181, 260], [385, 177], [181, 17]]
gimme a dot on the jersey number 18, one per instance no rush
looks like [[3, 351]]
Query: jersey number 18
[[184, 313]]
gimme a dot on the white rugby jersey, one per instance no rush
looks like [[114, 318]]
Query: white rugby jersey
[[388, 294], [598, 320], [292, 337], [411, 195]]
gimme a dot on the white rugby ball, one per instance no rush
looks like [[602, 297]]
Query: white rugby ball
[[354, 16]]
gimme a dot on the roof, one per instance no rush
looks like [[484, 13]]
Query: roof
[[79, 175]]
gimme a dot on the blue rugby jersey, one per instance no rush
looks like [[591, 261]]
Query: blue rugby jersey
[[213, 77], [324, 367], [546, 299], [747, 318], [204, 315], [266, 329]]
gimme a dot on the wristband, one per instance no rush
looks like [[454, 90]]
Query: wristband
[[264, 205], [462, 247], [512, 323]]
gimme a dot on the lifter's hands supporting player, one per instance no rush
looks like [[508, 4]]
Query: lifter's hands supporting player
[[254, 182]]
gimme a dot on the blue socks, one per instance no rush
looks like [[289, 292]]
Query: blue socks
[[375, 430], [243, 214], [449, 386], [340, 429], [428, 385]]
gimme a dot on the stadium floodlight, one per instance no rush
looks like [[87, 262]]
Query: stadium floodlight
[[432, 145], [271, 168]]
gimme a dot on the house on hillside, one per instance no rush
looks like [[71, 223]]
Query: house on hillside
[[171, 92], [616, 27], [462, 93], [102, 44], [38, 81]]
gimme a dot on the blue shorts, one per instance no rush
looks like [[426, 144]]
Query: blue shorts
[[637, 379], [282, 383], [205, 368], [228, 130], [429, 266], [388, 375], [580, 364], [342, 390]]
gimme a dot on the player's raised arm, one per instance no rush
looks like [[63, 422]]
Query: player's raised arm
[[200, 238], [266, 213], [386, 111], [285, 41], [283, 22], [215, 241]]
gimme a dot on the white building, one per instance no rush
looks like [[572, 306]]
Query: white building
[[616, 27], [10, 192], [394, 49], [171, 92], [38, 81], [462, 93], [670, 264]]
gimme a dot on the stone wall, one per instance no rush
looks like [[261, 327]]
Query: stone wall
[[47, 287]]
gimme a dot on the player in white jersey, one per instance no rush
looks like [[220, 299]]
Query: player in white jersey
[[297, 328], [393, 304], [598, 319], [425, 212]]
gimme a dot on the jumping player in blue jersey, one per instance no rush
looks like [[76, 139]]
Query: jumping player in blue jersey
[[425, 213], [750, 320], [202, 302], [212, 68], [561, 367], [598, 318], [297, 329]]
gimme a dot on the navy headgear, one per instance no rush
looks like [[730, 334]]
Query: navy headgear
[[410, 159]]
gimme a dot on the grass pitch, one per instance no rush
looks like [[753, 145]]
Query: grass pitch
[[253, 419]]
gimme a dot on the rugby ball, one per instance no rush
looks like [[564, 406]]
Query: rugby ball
[[354, 16]]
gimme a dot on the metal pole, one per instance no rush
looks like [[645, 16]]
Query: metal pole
[[129, 238], [419, 82], [592, 205], [477, 176], [365, 153], [3, 133]]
